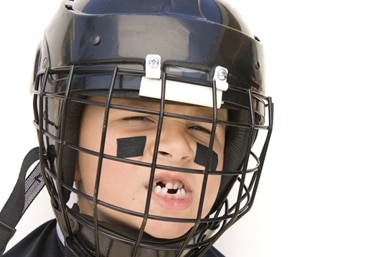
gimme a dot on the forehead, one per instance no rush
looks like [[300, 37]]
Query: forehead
[[184, 109]]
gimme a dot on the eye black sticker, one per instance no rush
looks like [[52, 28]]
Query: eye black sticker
[[134, 146], [130, 146], [202, 154]]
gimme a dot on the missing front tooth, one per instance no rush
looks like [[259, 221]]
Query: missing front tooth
[[169, 190]]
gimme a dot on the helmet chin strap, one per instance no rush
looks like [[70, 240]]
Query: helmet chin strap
[[83, 242], [24, 192]]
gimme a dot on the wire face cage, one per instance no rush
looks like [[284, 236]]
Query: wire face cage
[[109, 151]]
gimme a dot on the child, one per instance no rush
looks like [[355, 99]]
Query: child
[[153, 127]]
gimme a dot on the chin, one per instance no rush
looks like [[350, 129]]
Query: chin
[[167, 230], [155, 228]]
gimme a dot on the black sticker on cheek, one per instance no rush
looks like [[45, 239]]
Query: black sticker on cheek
[[130, 146], [201, 157]]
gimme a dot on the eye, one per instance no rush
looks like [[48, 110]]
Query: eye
[[200, 129], [138, 122], [139, 118], [136, 118]]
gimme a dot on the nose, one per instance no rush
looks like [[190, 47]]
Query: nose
[[175, 144]]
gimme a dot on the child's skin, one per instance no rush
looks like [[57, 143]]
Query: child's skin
[[126, 185]]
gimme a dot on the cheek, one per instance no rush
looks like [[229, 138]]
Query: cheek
[[117, 180], [87, 165], [213, 185], [86, 173], [219, 149], [115, 183]]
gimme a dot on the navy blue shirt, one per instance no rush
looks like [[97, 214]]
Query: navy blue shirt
[[44, 242]]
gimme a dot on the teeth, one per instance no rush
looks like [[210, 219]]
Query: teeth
[[181, 193], [164, 191], [157, 189], [169, 185], [176, 185], [170, 188]]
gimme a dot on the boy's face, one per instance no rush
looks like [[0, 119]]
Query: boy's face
[[126, 185]]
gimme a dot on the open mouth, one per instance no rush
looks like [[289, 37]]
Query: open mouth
[[171, 188], [171, 191]]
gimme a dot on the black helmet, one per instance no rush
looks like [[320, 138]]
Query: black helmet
[[195, 52]]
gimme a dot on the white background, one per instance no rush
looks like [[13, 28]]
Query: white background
[[316, 196]]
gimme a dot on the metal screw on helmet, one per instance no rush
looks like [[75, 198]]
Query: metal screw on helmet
[[222, 74], [153, 66], [95, 39], [153, 62]]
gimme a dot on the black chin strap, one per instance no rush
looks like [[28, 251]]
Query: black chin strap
[[24, 192]]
